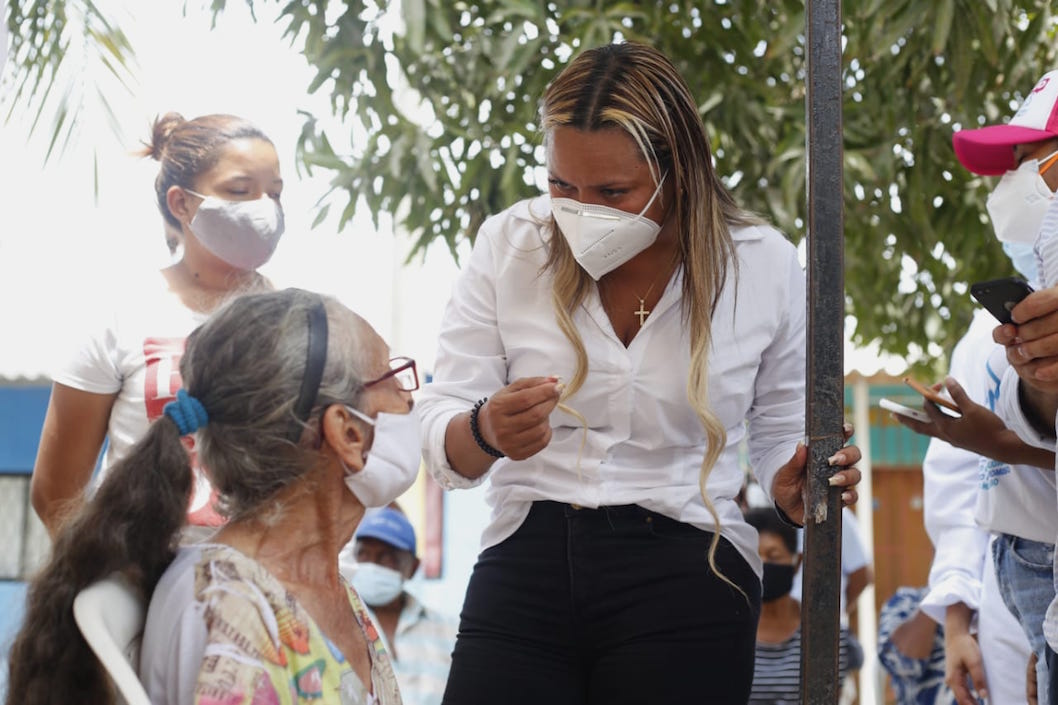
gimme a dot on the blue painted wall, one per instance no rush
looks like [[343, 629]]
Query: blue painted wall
[[22, 410], [21, 415]]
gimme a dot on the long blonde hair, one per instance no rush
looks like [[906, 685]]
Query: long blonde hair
[[636, 88]]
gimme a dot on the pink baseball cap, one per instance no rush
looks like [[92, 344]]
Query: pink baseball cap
[[990, 150]]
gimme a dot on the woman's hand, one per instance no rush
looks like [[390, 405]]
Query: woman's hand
[[516, 419], [787, 488], [977, 430]]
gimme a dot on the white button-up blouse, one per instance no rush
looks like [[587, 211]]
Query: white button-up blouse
[[644, 443]]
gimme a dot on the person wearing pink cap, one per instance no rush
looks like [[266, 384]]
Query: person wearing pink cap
[[976, 494], [1030, 399], [1023, 152]]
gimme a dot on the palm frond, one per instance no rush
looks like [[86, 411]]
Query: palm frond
[[70, 60]]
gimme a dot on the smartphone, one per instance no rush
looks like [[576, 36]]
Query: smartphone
[[1001, 295], [934, 396], [896, 408]]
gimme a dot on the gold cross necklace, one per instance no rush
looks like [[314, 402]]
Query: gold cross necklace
[[643, 312]]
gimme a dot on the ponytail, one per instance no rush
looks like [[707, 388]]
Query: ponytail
[[130, 526]]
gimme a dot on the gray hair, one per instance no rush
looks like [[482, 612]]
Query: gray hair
[[246, 364]]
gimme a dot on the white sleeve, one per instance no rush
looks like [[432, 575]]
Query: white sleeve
[[854, 553], [471, 359], [950, 479], [776, 419], [185, 656], [93, 366], [174, 641]]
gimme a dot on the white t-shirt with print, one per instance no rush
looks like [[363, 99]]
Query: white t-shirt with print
[[133, 349]]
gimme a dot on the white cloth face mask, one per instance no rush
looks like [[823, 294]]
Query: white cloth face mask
[[1018, 202], [242, 233], [392, 463], [604, 238], [376, 584]]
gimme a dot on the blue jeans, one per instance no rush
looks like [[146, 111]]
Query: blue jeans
[[1052, 665], [609, 606], [1025, 571]]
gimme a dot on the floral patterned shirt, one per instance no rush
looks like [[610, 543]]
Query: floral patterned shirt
[[254, 643]]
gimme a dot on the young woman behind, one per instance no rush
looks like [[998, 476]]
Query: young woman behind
[[219, 187]]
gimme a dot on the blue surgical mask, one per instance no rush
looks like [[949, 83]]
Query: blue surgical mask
[[1023, 256]]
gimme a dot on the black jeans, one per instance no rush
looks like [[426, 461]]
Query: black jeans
[[611, 605]]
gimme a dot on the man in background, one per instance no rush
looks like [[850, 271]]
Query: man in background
[[378, 562]]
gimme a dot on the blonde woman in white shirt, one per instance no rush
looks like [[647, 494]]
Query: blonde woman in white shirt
[[599, 360]]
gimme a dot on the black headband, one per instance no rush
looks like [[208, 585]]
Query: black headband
[[316, 359]]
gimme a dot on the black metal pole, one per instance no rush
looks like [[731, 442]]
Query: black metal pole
[[824, 413]]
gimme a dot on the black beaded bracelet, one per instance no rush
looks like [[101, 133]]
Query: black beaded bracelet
[[477, 432]]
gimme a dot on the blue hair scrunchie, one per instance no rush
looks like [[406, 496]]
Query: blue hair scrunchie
[[186, 412]]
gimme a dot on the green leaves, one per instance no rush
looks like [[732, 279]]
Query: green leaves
[[69, 58], [915, 232], [439, 97]]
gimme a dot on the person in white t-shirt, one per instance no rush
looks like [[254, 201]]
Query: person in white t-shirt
[[219, 185], [603, 354]]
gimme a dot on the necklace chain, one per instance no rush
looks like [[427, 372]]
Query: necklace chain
[[642, 312]]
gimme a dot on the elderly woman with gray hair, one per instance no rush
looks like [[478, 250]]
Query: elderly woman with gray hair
[[303, 421]]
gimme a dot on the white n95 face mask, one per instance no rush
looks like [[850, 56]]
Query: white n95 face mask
[[604, 238], [393, 461], [242, 233], [1018, 202], [377, 585]]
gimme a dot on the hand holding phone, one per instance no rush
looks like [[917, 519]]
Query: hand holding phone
[[1001, 295], [932, 395]]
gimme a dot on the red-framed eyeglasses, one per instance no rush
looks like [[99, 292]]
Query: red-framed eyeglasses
[[403, 370]]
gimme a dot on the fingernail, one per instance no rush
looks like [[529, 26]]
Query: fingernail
[[846, 497], [834, 480], [837, 459], [847, 427], [559, 387]]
